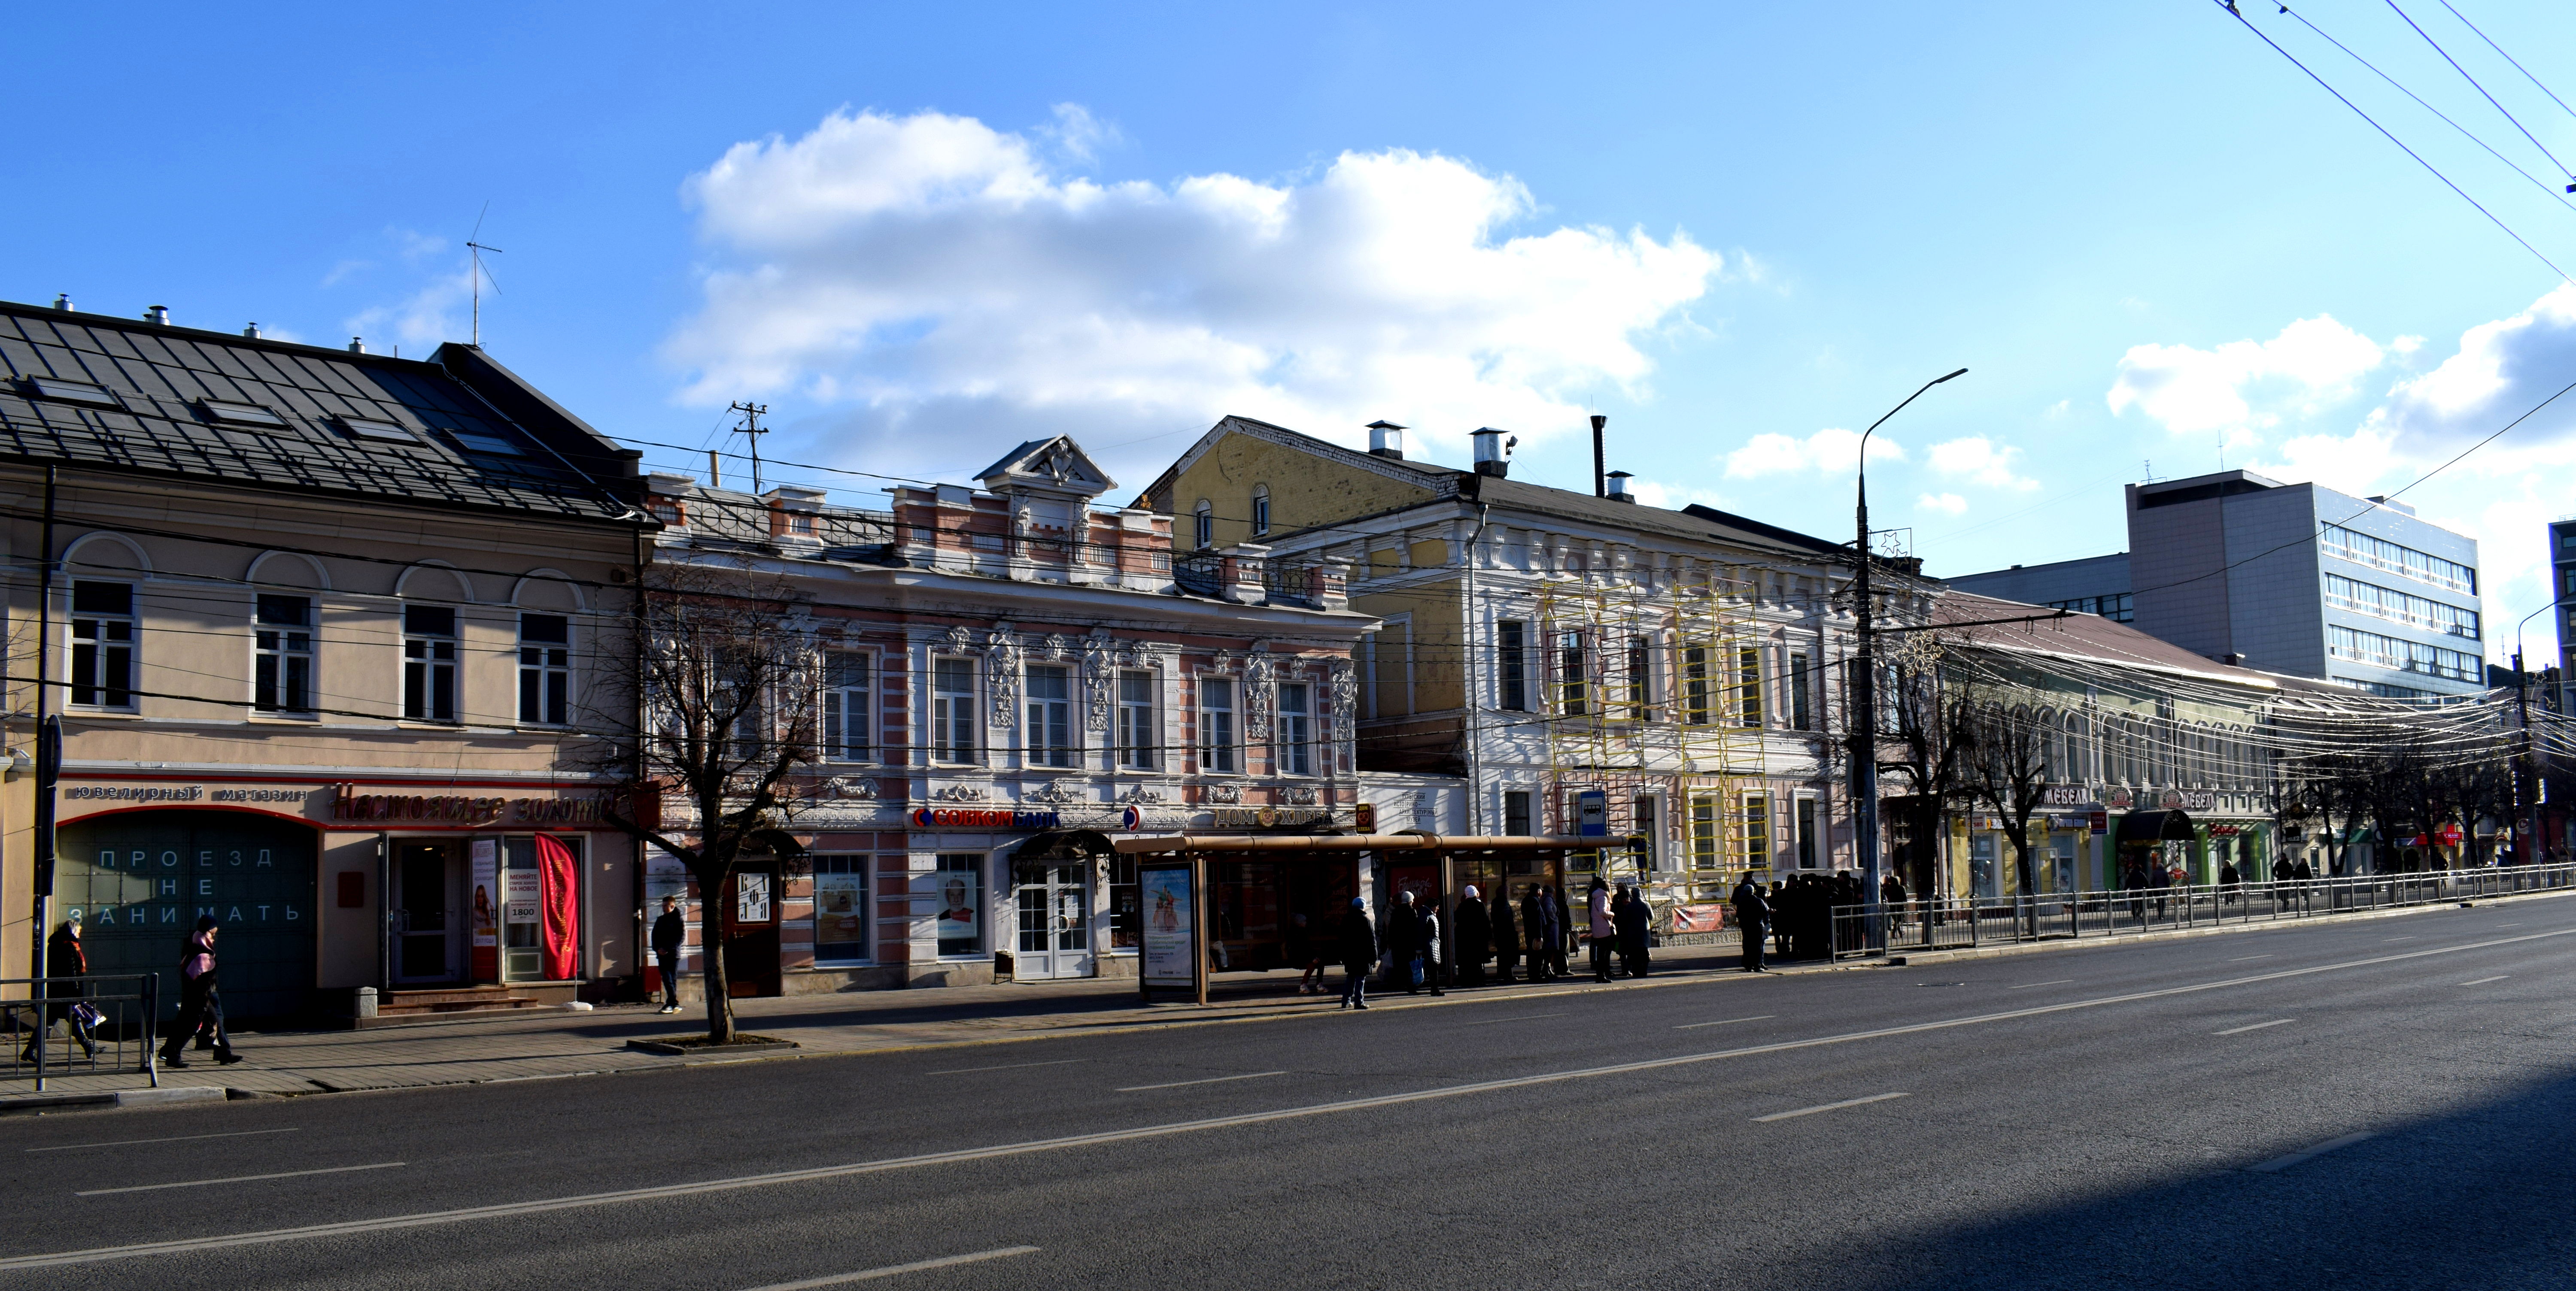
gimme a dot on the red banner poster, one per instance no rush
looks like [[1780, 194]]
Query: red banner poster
[[559, 891]]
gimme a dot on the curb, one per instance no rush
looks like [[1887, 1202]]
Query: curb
[[1931, 957], [163, 1097]]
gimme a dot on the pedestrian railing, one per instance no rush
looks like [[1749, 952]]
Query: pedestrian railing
[[79, 1026], [1913, 926]]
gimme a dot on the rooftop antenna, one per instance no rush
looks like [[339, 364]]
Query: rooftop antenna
[[476, 250], [752, 430]]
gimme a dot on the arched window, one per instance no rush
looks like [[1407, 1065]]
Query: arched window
[[1203, 525], [1260, 510]]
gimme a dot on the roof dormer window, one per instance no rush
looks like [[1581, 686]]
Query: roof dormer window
[[492, 444], [382, 431], [80, 392], [240, 414]]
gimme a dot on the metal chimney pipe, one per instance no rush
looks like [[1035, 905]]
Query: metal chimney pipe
[[158, 315], [1600, 485]]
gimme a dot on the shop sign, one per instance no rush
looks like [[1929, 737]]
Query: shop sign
[[2118, 799], [982, 818], [1364, 817], [349, 804], [2189, 800], [1271, 817], [2450, 835], [2066, 795]]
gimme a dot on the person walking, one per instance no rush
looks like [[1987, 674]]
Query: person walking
[[670, 932], [1538, 930], [1752, 918], [1632, 916], [1359, 954], [1473, 936], [2280, 879], [1507, 938], [64, 958], [1597, 926], [200, 1003]]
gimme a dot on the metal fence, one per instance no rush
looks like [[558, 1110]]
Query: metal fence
[[79, 1026], [1961, 924]]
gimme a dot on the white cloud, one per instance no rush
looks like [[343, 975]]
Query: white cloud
[[1833, 451], [938, 278], [1675, 497], [433, 314], [1981, 461], [2243, 388], [1945, 503], [1078, 134]]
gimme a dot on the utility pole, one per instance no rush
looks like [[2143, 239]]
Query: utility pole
[[49, 733], [1864, 691], [2529, 852], [752, 431]]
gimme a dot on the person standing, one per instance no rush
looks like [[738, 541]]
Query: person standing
[[2280, 878], [1428, 912], [2227, 879], [1561, 951], [1507, 938], [1472, 935], [1538, 930], [200, 1004], [670, 932], [1403, 938], [1359, 954], [1752, 919], [1598, 927], [1632, 916], [64, 958]]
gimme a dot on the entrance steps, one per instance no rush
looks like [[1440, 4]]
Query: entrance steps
[[438, 1004]]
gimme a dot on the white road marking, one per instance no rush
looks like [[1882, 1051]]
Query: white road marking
[[2508, 925], [630, 1196], [2408, 937], [2484, 980], [2027, 985], [1693, 1026], [869, 1275], [1010, 1066], [2277, 1022], [1521, 1017], [1827, 1107], [2242, 958], [1212, 1080], [175, 1138], [240, 1178], [2278, 1164]]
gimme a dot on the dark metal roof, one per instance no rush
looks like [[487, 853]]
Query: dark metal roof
[[164, 378]]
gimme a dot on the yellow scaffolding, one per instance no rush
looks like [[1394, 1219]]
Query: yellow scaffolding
[[1655, 697]]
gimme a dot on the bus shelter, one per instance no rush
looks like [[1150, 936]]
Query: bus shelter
[[1237, 901]]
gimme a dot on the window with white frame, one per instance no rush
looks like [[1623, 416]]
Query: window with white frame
[[1573, 675], [103, 639], [545, 669], [1516, 812], [1695, 686], [282, 654], [1511, 660], [1217, 735], [1705, 831], [1203, 525], [1260, 510], [1295, 750], [1139, 736], [952, 709], [1802, 711], [1757, 831], [1050, 729], [846, 734], [1748, 680], [429, 663], [1640, 680], [1806, 836]]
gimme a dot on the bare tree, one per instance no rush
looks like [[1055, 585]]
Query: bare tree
[[2003, 763], [730, 697], [1914, 741]]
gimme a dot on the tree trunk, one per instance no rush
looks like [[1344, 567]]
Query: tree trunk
[[711, 943]]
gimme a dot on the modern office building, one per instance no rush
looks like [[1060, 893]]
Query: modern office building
[[2287, 578], [2562, 584]]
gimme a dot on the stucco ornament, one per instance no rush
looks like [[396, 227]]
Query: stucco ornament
[[1002, 669], [1259, 671], [1099, 687]]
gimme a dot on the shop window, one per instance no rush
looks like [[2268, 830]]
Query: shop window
[[545, 669], [1217, 735], [1139, 738], [1802, 711], [1985, 876], [1511, 658], [1296, 748], [522, 906], [1126, 905], [1516, 812], [1748, 681], [952, 710], [1050, 731], [961, 903], [1757, 831], [1806, 826], [845, 706], [1695, 686], [429, 663], [842, 912], [1573, 675], [282, 655], [102, 672], [1704, 831]]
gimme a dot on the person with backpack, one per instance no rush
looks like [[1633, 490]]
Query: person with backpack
[[201, 1006]]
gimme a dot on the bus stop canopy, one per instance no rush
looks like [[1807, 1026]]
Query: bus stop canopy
[[1181, 843]]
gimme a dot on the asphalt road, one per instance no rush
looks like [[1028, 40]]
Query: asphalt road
[[2133, 1116]]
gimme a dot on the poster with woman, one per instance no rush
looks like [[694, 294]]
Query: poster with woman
[[1170, 958]]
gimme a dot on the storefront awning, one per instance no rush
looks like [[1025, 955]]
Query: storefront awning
[[1172, 844], [2143, 827]]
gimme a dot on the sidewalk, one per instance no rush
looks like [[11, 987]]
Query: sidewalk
[[519, 1046]]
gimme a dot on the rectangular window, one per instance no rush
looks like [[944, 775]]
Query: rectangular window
[[1757, 831], [1217, 736], [1295, 750], [2400, 607], [843, 909], [1050, 734], [1126, 905], [2410, 656], [2406, 562], [1695, 686], [1139, 738], [1640, 680], [751, 732], [1511, 650], [1650, 828], [1806, 833], [1748, 682], [429, 663], [1802, 711], [102, 644], [282, 655], [1573, 675], [1516, 813], [847, 720], [952, 710], [545, 669], [1704, 831], [960, 895], [1260, 513]]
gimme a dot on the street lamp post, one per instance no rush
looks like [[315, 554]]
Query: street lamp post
[[1864, 690], [2529, 815]]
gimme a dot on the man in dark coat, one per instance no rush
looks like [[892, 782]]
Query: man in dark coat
[[199, 1003], [1402, 938], [1507, 938], [1539, 914], [63, 958], [1631, 916], [1359, 954], [670, 931], [1752, 919], [1470, 935]]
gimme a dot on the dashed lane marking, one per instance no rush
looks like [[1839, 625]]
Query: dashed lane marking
[[2276, 1022], [1694, 1026], [2028, 985], [2484, 980], [240, 1178], [1211, 1080], [1826, 1107], [1009, 1066], [891, 1270], [175, 1138]]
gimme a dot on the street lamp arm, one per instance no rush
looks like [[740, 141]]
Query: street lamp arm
[[1873, 426]]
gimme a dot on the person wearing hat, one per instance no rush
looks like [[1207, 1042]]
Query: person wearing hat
[[1359, 954], [200, 1006], [1471, 936]]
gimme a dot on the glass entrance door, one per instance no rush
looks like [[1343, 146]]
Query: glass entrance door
[[1054, 921], [424, 915]]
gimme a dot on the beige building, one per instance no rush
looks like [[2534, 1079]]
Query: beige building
[[322, 631]]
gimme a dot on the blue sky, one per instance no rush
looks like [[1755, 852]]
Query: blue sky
[[921, 233]]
